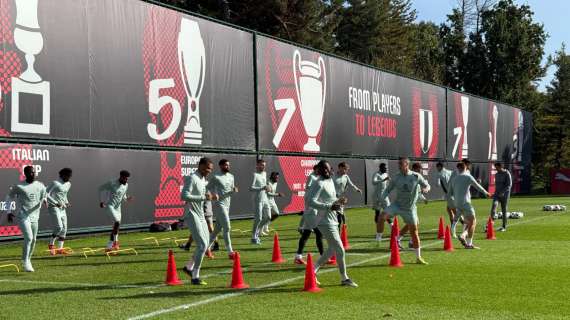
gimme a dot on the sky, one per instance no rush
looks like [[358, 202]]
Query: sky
[[553, 14]]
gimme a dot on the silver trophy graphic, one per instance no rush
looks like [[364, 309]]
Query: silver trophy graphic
[[30, 41], [310, 83], [465, 116], [192, 62], [426, 120], [493, 135]]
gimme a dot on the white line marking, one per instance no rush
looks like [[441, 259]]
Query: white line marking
[[273, 284], [82, 284]]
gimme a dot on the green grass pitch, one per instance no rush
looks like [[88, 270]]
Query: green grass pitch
[[522, 275]]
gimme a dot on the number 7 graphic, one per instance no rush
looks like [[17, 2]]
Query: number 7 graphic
[[289, 106]]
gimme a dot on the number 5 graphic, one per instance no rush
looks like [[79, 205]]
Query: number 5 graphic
[[156, 103]]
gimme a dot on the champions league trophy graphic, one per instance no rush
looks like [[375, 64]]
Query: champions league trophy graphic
[[192, 62], [426, 117], [310, 83], [465, 117], [29, 40], [493, 135]]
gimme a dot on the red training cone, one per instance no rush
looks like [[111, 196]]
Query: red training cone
[[491, 229], [447, 244], [237, 276], [209, 254], [171, 274], [277, 258], [344, 237], [395, 232], [310, 277], [395, 260], [440, 229], [332, 260]]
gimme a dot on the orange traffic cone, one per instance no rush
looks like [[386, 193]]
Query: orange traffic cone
[[237, 276], [277, 258], [440, 229], [310, 277], [395, 260], [447, 244], [491, 229], [344, 237], [332, 260], [171, 274], [395, 233]]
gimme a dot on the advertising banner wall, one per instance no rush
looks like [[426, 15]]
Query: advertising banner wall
[[312, 103], [156, 181], [124, 71]]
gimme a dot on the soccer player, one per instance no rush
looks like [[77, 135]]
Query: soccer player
[[443, 179], [341, 183], [111, 196], [408, 185], [417, 168], [261, 202], [271, 195], [194, 193], [223, 186], [459, 188], [57, 205], [380, 182], [29, 195], [309, 219], [503, 184], [326, 201]]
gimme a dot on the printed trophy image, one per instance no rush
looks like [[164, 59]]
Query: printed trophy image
[[465, 117], [310, 84], [426, 129], [192, 62], [30, 41], [493, 135]]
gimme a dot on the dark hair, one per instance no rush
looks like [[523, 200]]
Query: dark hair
[[321, 166], [461, 165], [342, 165], [404, 158], [466, 162], [273, 175], [439, 164], [28, 169], [222, 162], [124, 173], [260, 161], [498, 164], [315, 167], [383, 165], [205, 161], [65, 172], [416, 166]]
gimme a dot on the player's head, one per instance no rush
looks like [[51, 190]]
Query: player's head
[[65, 174], [224, 165], [274, 176], [260, 165], [416, 167], [124, 176], [461, 167], [467, 163], [343, 168], [439, 166], [316, 169], [30, 173], [205, 166], [383, 168], [324, 169], [498, 166], [404, 164]]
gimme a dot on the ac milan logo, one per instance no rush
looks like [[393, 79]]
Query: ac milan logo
[[426, 129]]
